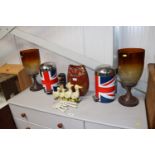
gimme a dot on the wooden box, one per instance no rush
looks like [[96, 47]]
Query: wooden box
[[17, 69], [150, 97], [8, 86]]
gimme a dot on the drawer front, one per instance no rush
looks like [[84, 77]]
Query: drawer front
[[45, 119], [20, 124], [90, 125]]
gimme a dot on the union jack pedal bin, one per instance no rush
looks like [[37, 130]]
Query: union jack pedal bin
[[48, 73], [105, 84]]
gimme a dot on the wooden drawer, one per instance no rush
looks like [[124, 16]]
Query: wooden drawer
[[20, 124], [45, 119], [90, 125]]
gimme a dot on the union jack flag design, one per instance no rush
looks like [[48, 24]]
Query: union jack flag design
[[49, 80], [105, 88]]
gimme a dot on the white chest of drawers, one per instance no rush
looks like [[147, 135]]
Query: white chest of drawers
[[35, 110]]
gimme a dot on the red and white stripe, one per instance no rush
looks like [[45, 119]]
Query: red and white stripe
[[49, 81], [106, 89]]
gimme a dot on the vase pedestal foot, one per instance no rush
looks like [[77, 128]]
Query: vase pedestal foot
[[35, 86], [128, 102]]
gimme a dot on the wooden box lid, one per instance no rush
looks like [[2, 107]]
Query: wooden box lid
[[11, 68]]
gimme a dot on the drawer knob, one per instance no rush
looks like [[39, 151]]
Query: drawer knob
[[23, 115], [60, 125]]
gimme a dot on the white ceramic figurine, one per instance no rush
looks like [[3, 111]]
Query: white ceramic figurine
[[69, 92], [75, 96], [62, 92], [56, 93]]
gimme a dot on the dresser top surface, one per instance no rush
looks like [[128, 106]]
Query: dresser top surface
[[113, 114]]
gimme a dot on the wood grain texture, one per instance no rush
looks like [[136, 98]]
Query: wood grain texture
[[150, 97], [17, 69], [24, 80], [9, 86], [11, 68]]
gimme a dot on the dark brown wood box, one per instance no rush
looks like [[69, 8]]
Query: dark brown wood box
[[14, 81], [9, 87], [16, 69], [150, 97]]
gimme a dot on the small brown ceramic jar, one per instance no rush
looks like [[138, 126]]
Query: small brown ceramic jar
[[77, 74]]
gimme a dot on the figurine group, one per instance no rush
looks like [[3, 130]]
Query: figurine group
[[67, 93]]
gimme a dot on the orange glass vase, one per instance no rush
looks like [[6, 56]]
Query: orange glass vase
[[31, 62], [130, 68]]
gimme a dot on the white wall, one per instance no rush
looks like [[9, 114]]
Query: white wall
[[69, 37], [7, 46], [81, 44], [98, 43]]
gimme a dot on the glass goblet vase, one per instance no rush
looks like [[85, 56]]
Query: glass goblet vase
[[31, 62], [130, 68]]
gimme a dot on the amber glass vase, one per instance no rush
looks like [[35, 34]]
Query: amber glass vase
[[31, 62], [130, 68]]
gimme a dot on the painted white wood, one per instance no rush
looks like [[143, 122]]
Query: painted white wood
[[112, 114], [20, 124], [45, 119], [90, 125], [67, 53], [3, 104], [4, 30], [99, 43]]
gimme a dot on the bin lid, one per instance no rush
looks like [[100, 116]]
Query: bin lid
[[47, 66], [105, 70]]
